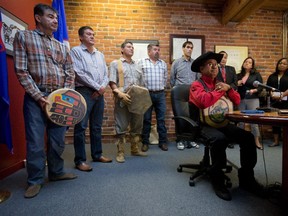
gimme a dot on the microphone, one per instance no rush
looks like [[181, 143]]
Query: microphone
[[257, 83]]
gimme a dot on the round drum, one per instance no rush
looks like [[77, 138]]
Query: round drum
[[67, 107]]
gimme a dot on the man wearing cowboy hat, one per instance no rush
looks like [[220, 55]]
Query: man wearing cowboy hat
[[204, 93]]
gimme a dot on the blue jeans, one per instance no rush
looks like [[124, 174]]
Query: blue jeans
[[95, 111], [35, 124], [159, 105]]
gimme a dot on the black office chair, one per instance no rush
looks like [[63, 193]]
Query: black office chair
[[187, 129]]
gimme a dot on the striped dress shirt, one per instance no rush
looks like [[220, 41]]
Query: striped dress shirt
[[90, 68]]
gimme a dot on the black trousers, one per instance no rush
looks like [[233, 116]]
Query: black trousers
[[219, 140]]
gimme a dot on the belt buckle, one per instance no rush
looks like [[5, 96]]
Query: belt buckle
[[45, 90], [50, 90]]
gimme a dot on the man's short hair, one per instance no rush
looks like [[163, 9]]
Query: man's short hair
[[82, 29], [223, 52], [39, 9], [187, 42], [124, 44], [149, 47]]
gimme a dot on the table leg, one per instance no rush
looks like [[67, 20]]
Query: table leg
[[285, 164]]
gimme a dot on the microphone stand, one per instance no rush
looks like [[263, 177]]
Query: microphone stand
[[268, 107]]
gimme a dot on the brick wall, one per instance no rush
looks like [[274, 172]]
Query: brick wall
[[115, 20]]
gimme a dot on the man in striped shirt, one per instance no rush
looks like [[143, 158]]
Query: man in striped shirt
[[42, 65], [91, 80], [155, 77]]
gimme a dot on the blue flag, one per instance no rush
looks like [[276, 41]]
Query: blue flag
[[5, 127], [61, 34]]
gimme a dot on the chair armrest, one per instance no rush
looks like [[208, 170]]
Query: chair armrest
[[190, 121]]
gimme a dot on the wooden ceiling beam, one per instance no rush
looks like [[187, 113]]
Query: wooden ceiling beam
[[238, 10]]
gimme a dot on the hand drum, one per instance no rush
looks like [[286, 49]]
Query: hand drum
[[67, 107]]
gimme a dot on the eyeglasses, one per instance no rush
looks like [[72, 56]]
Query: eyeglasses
[[283, 63]]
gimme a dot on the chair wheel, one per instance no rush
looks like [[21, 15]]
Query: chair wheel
[[191, 183], [179, 169]]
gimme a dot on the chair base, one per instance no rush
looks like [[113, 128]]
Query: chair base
[[203, 168]]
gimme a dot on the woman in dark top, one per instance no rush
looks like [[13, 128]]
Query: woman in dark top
[[249, 93], [279, 80]]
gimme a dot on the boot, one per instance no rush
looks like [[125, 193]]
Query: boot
[[120, 146], [249, 183], [135, 151]]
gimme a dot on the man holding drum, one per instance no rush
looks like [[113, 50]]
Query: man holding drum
[[123, 75], [42, 65], [205, 93], [91, 81]]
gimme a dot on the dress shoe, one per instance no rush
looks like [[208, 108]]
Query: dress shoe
[[273, 145], [144, 148], [65, 176], [222, 192], [32, 191], [163, 147], [102, 159], [84, 167], [259, 147], [218, 182]]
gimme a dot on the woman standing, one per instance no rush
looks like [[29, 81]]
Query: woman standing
[[279, 80], [249, 94]]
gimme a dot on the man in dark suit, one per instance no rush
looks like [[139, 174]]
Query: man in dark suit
[[228, 75]]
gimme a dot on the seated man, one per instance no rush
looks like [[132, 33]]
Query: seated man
[[205, 93]]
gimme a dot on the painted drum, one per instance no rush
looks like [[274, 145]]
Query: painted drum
[[67, 107]]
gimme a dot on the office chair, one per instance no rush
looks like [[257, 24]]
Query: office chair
[[187, 129]]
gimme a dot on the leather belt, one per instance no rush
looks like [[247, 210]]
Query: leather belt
[[46, 90], [156, 92]]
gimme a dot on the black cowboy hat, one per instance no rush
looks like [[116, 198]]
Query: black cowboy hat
[[195, 67]]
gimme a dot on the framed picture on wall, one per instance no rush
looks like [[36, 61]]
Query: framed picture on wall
[[176, 42], [10, 25], [236, 55], [140, 47]]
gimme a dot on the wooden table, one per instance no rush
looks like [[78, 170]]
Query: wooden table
[[269, 118]]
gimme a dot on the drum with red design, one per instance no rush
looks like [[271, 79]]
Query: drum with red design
[[67, 107]]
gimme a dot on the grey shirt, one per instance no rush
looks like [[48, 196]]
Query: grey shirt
[[181, 72]]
